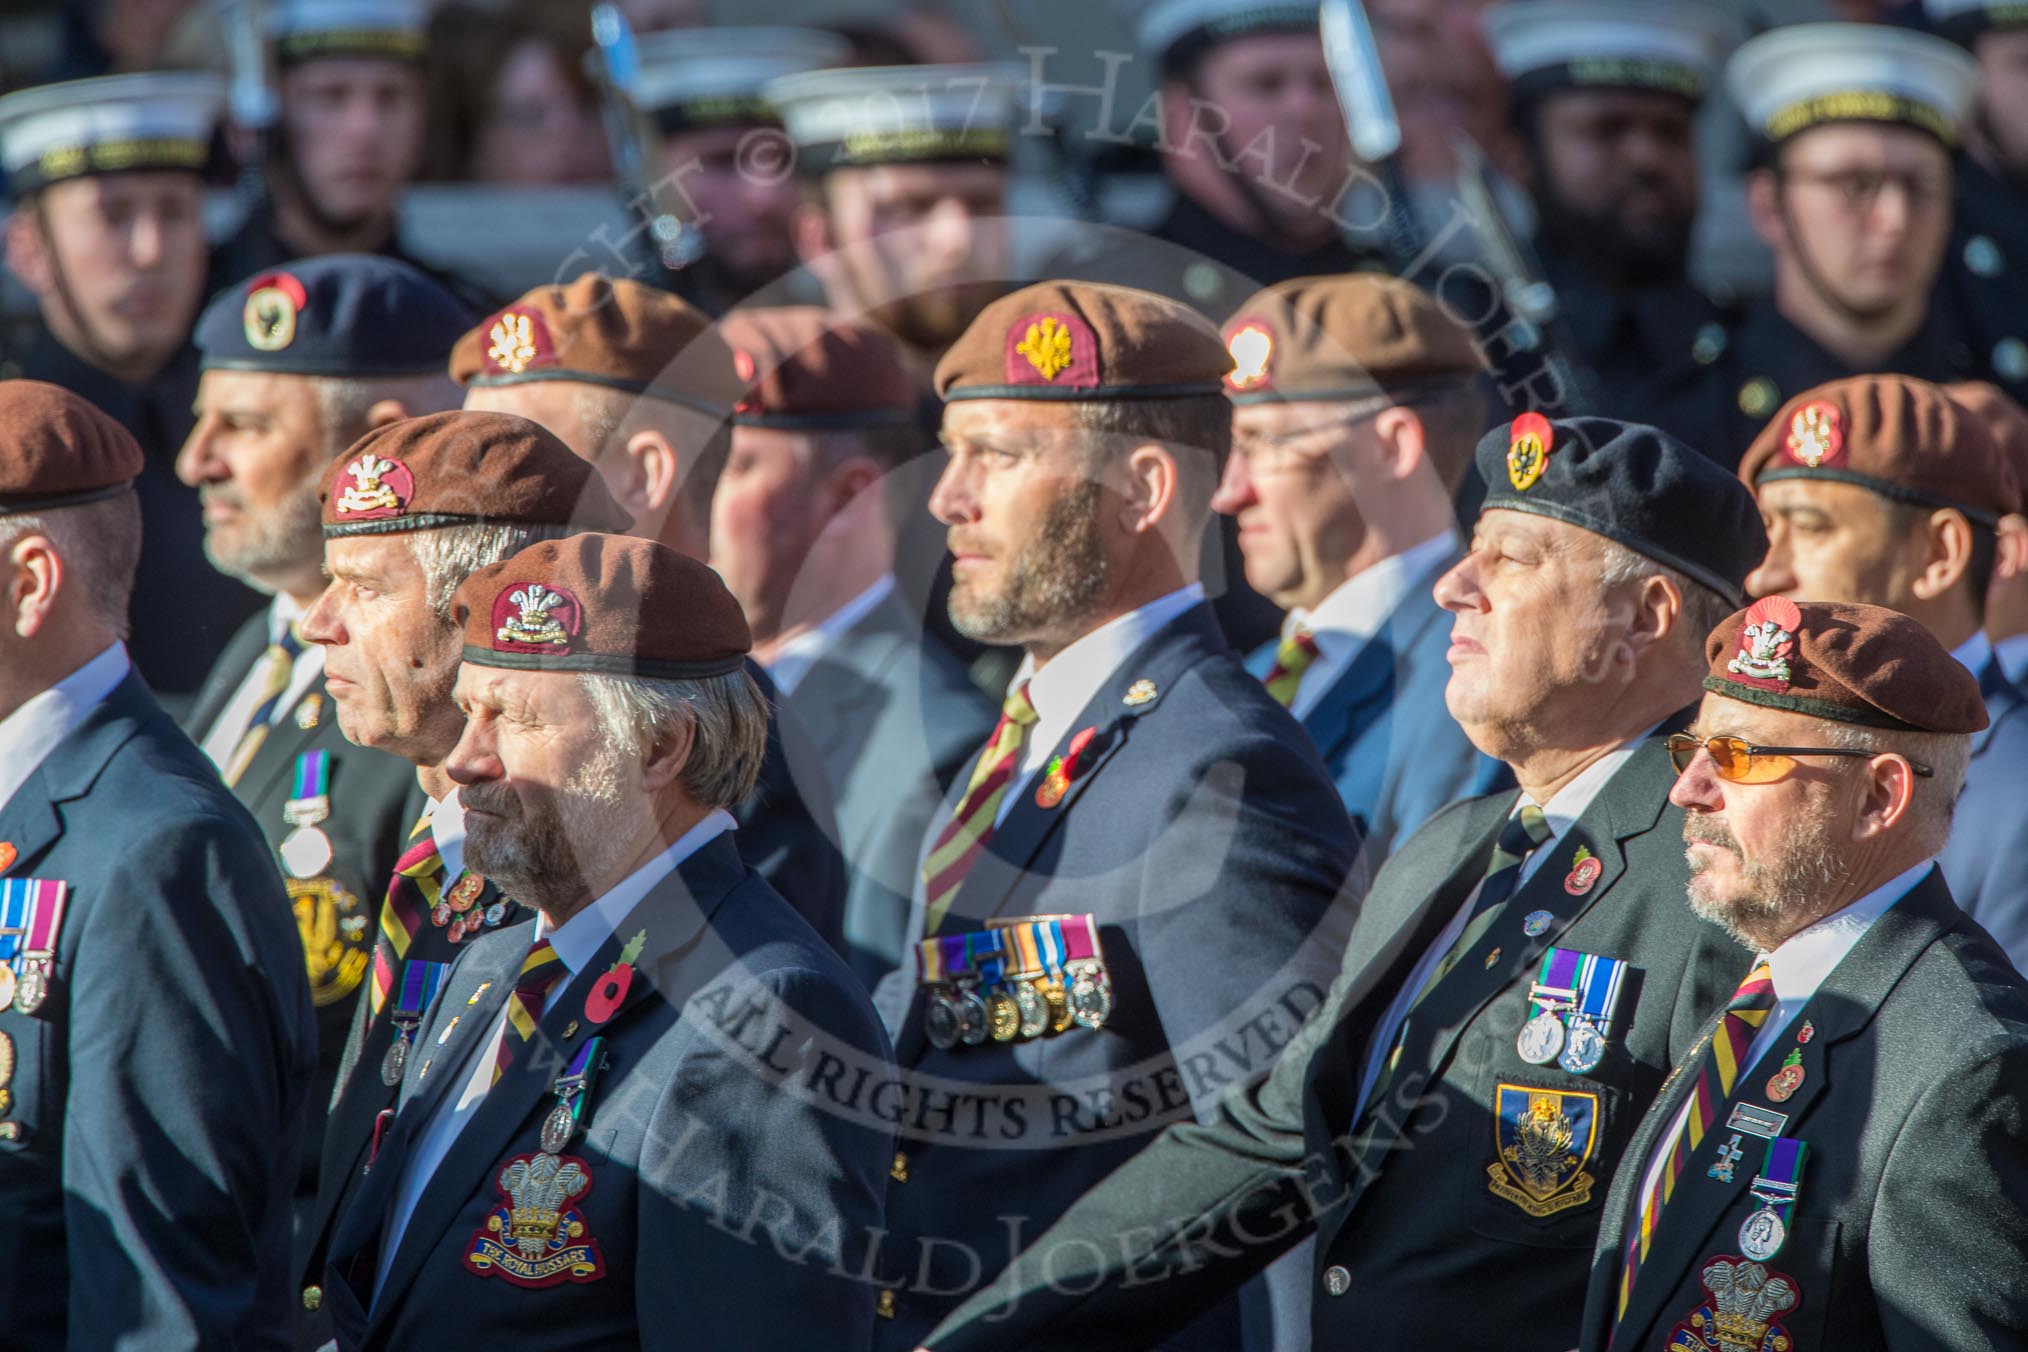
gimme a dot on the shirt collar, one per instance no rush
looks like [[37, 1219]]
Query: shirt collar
[[1569, 803], [1805, 958], [283, 612], [31, 732], [1358, 606], [799, 654], [1975, 652], [578, 939], [1073, 677], [2013, 654], [447, 828]]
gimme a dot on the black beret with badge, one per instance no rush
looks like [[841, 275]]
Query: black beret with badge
[[340, 315], [1633, 484]]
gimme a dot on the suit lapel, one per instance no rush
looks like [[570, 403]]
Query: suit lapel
[[274, 761], [1363, 695], [245, 648], [29, 821]]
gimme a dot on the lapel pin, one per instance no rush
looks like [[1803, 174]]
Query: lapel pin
[[1492, 959], [1783, 1084], [1062, 769], [1805, 1033], [1139, 693], [1585, 869], [7, 853], [1537, 924], [606, 997], [310, 711]]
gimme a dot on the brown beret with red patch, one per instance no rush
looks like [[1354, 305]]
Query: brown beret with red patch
[[1351, 336], [808, 367], [2006, 422], [615, 604], [463, 469], [57, 450], [1847, 663], [1084, 340], [620, 335], [1900, 437]]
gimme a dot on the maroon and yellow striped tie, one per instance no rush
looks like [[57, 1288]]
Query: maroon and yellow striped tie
[[1292, 659], [971, 825], [1724, 1058], [540, 971], [411, 894]]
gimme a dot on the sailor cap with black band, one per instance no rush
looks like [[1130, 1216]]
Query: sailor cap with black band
[[57, 450], [1550, 45], [1802, 76], [1963, 20], [109, 125], [698, 78], [849, 118], [1178, 32], [310, 30]]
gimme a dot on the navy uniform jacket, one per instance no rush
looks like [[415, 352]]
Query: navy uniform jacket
[[1204, 837], [1986, 859], [1419, 1241], [1985, 272], [735, 1170], [1911, 1226], [1385, 733], [786, 828], [896, 718], [150, 1148]]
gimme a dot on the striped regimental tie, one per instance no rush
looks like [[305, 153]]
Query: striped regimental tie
[[1292, 658], [959, 844], [540, 971], [278, 665], [412, 894], [1724, 1059]]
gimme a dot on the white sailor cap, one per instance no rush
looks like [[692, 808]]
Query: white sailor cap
[[1177, 32], [712, 77], [304, 30], [1963, 20], [1791, 79], [1546, 45], [841, 119], [111, 124]]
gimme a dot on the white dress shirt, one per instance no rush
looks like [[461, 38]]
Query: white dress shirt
[[1073, 678], [801, 653], [576, 942], [1346, 620], [31, 732], [2013, 654], [1798, 967], [447, 831], [225, 732], [1560, 813]]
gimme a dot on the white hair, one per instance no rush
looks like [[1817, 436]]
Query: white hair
[[1936, 797], [450, 554], [1703, 608], [344, 401], [726, 715]]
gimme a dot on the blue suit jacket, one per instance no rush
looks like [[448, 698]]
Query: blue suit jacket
[[737, 1163], [1385, 734], [1204, 836], [1986, 860], [158, 1093], [895, 718], [786, 829]]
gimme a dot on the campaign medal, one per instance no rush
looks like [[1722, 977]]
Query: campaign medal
[[31, 914], [573, 1090], [6, 1073], [940, 1021], [973, 1017], [1029, 1003], [1541, 1039], [1762, 1234], [306, 851], [1783, 1084], [1599, 984], [934, 958], [6, 987], [420, 982], [1091, 989], [1553, 991], [610, 992]]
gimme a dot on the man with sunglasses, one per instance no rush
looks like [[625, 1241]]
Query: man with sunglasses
[[1355, 406], [1886, 491], [1840, 1161], [1520, 979]]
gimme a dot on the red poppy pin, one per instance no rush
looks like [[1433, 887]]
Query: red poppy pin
[[1063, 769], [6, 855], [1584, 872], [611, 989]]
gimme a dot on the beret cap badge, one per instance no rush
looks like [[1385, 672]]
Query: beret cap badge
[[533, 617], [1766, 640], [373, 487], [1816, 434], [1052, 349], [1046, 345], [273, 301], [516, 341], [1529, 439], [1252, 347]]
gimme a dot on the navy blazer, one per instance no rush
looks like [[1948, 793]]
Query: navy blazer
[[1986, 859], [896, 718], [150, 1149], [786, 827], [736, 1158], [1204, 835], [1385, 733]]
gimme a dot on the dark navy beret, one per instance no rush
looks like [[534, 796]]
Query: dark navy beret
[[1631, 483], [345, 315]]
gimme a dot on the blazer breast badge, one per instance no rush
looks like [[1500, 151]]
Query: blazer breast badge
[[1544, 1139]]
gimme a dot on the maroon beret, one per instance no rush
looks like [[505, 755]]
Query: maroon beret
[[57, 450], [1844, 662], [2006, 421], [1084, 340], [805, 366], [462, 469], [616, 604], [1343, 337]]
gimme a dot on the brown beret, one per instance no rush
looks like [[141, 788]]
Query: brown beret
[[57, 450], [804, 366], [1903, 438], [597, 331], [1351, 336], [2006, 422], [1844, 662], [616, 604], [1084, 340], [462, 469]]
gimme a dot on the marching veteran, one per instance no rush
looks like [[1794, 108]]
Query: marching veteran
[[640, 384], [1842, 1160], [1355, 412], [1520, 979], [1137, 891], [1884, 490], [409, 512], [610, 1129], [156, 1038]]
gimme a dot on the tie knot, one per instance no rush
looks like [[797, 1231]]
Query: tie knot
[[539, 966], [1525, 830], [1017, 707], [1299, 648], [1757, 991], [290, 645]]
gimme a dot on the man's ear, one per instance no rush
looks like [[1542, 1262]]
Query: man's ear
[[666, 758], [1150, 486], [810, 231], [843, 486], [1947, 554], [38, 577], [2012, 560], [1764, 208], [1887, 790], [385, 411], [648, 473], [27, 256]]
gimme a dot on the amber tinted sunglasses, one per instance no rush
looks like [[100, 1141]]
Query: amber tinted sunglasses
[[1739, 762]]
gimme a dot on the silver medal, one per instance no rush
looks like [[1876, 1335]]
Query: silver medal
[[973, 1018], [1583, 1049], [1034, 1009], [557, 1129], [392, 1064], [1761, 1236], [1091, 999], [1541, 1038], [306, 852], [940, 1021]]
